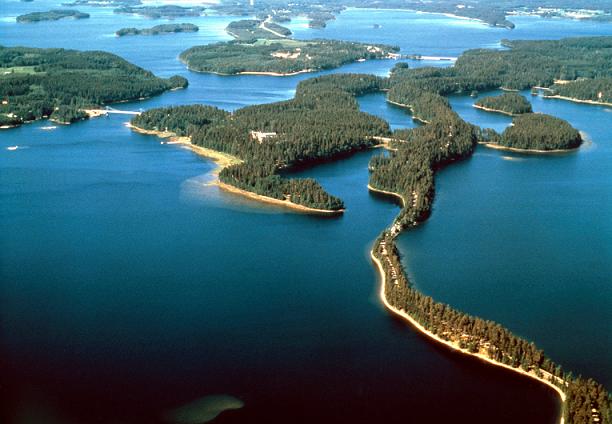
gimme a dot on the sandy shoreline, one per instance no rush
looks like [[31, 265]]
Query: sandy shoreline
[[223, 160], [571, 99], [389, 193], [488, 109], [452, 345], [284, 203], [414, 117], [528, 151]]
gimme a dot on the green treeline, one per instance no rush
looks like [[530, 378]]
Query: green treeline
[[279, 56], [598, 90], [322, 122], [51, 15], [537, 131], [158, 29], [35, 82], [509, 103]]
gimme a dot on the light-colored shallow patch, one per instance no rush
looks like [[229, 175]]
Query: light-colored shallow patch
[[203, 410]]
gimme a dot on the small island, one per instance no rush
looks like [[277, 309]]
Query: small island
[[64, 85], [52, 15], [537, 133], [158, 29], [280, 57], [508, 103]]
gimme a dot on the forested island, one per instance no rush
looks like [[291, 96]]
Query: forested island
[[280, 57], [320, 123], [158, 29], [157, 12], [59, 84], [537, 132], [508, 103], [51, 15]]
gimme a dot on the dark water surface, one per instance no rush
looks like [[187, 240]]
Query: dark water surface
[[130, 288]]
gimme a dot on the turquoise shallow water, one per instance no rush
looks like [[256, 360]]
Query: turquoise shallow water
[[129, 288]]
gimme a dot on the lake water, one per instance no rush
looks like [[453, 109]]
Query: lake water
[[130, 288]]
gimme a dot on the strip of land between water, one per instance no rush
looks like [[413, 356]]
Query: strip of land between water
[[452, 345]]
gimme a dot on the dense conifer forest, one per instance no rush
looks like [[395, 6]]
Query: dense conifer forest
[[597, 90], [508, 103], [537, 131], [524, 65], [279, 56], [35, 82]]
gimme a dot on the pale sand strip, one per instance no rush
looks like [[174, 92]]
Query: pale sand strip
[[389, 193], [488, 109], [571, 99], [452, 345], [271, 200], [529, 151], [223, 160], [416, 118]]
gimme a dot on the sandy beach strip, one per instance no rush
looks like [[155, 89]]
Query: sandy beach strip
[[527, 151], [571, 99], [488, 109]]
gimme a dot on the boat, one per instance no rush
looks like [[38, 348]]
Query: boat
[[12, 148]]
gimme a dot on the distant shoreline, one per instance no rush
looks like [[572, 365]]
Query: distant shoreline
[[223, 160]]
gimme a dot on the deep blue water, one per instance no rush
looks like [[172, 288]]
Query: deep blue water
[[130, 288]]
